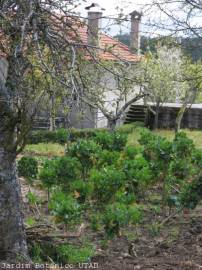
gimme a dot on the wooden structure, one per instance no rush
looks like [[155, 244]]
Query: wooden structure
[[192, 118]]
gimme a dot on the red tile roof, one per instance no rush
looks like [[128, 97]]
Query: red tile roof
[[110, 48]]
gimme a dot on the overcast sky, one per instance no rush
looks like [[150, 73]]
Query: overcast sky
[[111, 5], [152, 14], [111, 10]]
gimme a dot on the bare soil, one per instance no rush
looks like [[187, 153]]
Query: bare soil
[[178, 245], [183, 252]]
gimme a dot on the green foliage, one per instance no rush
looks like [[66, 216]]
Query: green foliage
[[86, 151], [155, 147], [191, 193], [138, 174], [125, 198], [107, 181], [95, 221], [67, 170], [130, 152], [119, 215], [182, 146], [176, 163], [71, 254], [30, 221], [44, 136], [48, 174], [32, 198], [65, 208], [180, 169], [81, 189], [157, 151], [107, 158], [197, 157], [60, 171], [114, 141], [36, 253], [28, 167], [129, 128], [154, 229], [85, 133]]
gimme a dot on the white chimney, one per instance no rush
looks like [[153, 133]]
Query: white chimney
[[94, 26], [135, 31]]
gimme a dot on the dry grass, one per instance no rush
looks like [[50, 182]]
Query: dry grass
[[45, 149]]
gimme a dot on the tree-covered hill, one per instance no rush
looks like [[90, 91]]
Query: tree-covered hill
[[191, 46]]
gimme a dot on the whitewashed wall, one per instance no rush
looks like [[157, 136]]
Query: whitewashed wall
[[111, 96]]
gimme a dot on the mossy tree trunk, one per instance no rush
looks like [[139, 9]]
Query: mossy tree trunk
[[13, 246]]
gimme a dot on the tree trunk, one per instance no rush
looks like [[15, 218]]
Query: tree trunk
[[179, 117], [111, 124], [13, 246], [156, 119], [52, 123], [52, 114]]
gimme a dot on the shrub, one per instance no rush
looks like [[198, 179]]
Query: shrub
[[197, 158], [65, 208], [86, 133], [112, 141], [105, 140], [138, 174], [81, 190], [124, 197], [157, 151], [119, 141], [130, 152], [67, 170], [176, 163], [119, 215], [107, 181], [155, 147], [191, 193], [95, 221], [60, 171], [179, 169], [48, 174], [182, 146], [44, 136], [28, 167], [107, 158], [86, 151], [61, 136]]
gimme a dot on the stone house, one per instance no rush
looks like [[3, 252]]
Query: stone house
[[92, 35], [84, 116]]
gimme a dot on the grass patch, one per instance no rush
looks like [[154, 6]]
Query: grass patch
[[54, 149], [195, 135], [45, 149], [72, 254]]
